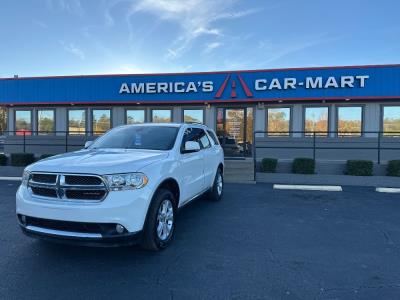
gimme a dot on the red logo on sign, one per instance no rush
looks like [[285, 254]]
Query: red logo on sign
[[232, 82]]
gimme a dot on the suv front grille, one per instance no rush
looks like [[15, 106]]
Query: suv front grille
[[68, 186]]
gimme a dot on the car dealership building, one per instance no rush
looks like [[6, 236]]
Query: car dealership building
[[341, 104]]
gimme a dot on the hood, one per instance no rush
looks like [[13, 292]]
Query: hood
[[99, 161]]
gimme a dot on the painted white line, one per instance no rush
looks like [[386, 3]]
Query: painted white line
[[387, 190], [11, 178], [327, 188]]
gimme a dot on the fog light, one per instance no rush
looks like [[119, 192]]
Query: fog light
[[119, 228], [23, 219]]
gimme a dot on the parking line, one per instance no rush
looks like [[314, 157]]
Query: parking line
[[11, 178], [327, 188], [387, 190]]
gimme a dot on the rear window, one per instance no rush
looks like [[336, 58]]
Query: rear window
[[213, 137]]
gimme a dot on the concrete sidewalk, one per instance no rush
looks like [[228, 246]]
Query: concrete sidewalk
[[346, 180]]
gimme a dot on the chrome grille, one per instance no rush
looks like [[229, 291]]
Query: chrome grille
[[68, 186]]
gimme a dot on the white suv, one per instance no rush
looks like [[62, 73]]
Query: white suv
[[124, 188]]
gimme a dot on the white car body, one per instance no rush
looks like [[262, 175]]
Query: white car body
[[194, 173]]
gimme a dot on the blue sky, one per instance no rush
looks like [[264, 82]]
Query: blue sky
[[63, 37]]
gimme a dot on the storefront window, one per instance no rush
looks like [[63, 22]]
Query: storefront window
[[3, 119], [349, 121], [77, 121], [135, 116], [45, 121], [391, 120], [279, 121], [101, 121], [161, 115], [23, 122], [316, 120], [193, 116]]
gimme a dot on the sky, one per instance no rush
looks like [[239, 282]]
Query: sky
[[68, 37]]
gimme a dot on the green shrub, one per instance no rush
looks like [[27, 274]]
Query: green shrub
[[268, 165], [3, 160], [359, 168], [43, 156], [393, 168], [303, 166], [22, 159]]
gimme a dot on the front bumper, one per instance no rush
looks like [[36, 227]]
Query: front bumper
[[127, 208], [80, 238]]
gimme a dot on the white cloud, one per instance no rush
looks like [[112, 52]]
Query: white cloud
[[195, 18], [73, 49], [211, 46]]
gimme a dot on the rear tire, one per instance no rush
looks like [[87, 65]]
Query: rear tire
[[217, 190], [160, 223]]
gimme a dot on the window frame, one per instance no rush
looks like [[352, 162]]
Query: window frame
[[54, 121], [382, 118], [328, 121], [126, 115], [362, 133], [169, 109], [290, 134], [91, 119], [86, 122], [192, 108], [15, 119]]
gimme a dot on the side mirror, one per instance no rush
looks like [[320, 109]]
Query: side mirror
[[88, 144], [191, 147]]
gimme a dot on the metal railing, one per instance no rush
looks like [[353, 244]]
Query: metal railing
[[326, 135], [67, 136]]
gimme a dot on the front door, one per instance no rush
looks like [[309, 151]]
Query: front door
[[235, 130]]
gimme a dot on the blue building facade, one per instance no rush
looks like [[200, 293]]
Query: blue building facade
[[353, 101]]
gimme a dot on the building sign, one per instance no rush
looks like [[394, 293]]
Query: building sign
[[368, 82]]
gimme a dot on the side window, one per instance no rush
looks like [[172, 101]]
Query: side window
[[204, 141], [213, 137], [191, 135]]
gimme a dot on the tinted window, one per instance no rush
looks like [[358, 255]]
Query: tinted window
[[214, 138], [101, 120], [77, 121], [23, 122], [391, 121], [139, 137], [279, 121], [195, 135], [349, 121], [45, 121], [316, 120]]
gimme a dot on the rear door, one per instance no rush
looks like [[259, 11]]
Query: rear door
[[191, 166]]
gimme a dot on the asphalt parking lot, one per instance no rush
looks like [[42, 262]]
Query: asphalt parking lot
[[258, 243]]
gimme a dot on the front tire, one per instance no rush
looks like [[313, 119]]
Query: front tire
[[217, 190], [160, 224]]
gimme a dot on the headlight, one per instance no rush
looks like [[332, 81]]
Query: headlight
[[25, 177], [129, 181]]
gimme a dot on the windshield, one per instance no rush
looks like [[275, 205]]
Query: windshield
[[138, 137]]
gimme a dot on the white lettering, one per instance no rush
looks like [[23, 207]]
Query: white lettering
[[151, 87], [208, 86], [191, 87], [275, 84], [362, 79], [260, 84], [162, 87], [347, 81], [289, 82], [331, 82], [179, 87], [137, 88], [313, 83], [124, 89]]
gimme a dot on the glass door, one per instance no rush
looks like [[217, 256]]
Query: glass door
[[235, 130]]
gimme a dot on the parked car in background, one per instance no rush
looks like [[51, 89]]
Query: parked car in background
[[124, 188]]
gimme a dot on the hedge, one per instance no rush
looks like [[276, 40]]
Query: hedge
[[303, 166], [393, 168], [22, 159], [359, 167], [3, 160], [268, 165]]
